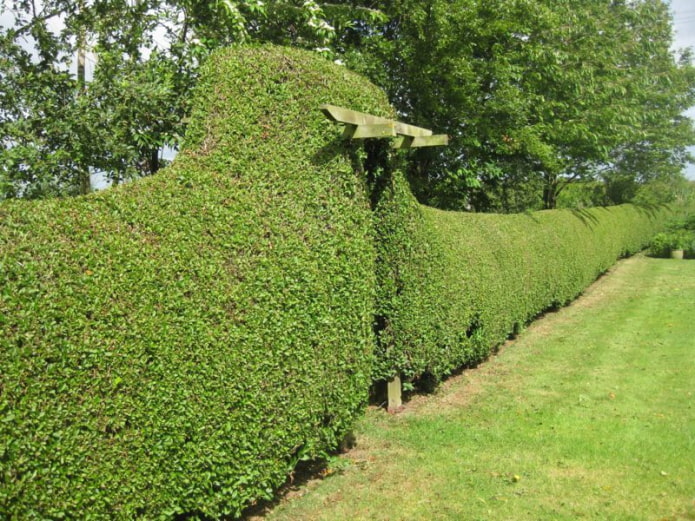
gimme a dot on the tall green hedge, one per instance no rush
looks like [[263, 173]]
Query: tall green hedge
[[453, 286], [172, 347], [175, 345]]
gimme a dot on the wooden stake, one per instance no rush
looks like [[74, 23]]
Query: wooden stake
[[393, 391]]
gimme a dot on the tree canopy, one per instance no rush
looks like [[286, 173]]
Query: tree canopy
[[535, 94]]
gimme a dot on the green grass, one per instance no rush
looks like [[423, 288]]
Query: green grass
[[589, 414]]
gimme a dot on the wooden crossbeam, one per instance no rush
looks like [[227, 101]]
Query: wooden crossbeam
[[435, 140], [352, 117], [359, 125], [372, 130]]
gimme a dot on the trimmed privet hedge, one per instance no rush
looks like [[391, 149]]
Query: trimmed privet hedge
[[171, 348], [453, 286], [175, 345]]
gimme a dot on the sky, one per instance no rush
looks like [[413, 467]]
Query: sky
[[684, 26], [684, 22]]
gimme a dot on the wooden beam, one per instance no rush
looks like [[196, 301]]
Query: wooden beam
[[349, 117], [352, 117], [349, 131], [436, 140], [374, 130], [378, 130], [402, 142], [420, 141]]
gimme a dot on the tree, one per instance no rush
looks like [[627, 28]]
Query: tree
[[657, 150], [534, 94], [55, 126]]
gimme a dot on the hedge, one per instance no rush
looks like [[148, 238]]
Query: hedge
[[174, 346], [454, 286], [171, 348]]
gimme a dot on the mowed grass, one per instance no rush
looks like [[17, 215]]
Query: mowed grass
[[589, 414]]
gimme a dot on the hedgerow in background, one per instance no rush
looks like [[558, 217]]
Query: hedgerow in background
[[175, 345], [456, 285], [411, 297]]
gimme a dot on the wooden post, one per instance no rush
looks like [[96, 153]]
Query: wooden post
[[393, 392]]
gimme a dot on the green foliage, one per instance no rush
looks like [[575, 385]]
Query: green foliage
[[678, 235], [410, 265], [143, 57], [534, 94], [675, 190], [175, 345], [456, 285], [584, 194], [55, 128]]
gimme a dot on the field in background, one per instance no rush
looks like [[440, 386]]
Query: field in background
[[589, 414]]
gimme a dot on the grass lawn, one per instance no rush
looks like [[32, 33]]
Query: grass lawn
[[589, 414]]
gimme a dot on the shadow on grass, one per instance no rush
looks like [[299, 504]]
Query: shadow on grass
[[304, 473]]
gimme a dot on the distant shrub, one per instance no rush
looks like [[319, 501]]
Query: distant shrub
[[583, 194], [679, 235], [689, 222]]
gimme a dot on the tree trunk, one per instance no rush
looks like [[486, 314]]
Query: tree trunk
[[154, 160], [550, 191], [84, 181]]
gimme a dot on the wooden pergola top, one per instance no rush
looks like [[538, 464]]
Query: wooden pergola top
[[359, 125]]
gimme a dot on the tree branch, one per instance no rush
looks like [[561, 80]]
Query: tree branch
[[20, 31]]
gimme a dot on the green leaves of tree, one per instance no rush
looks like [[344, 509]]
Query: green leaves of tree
[[548, 92], [145, 55]]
